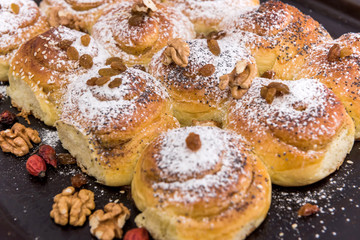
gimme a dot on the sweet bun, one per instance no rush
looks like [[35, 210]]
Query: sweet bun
[[41, 69], [336, 64], [134, 31], [207, 15], [76, 14], [20, 20], [193, 85], [107, 121], [200, 183], [279, 36], [302, 136]]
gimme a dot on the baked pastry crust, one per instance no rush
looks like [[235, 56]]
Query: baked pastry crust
[[41, 70], [340, 75], [301, 137], [207, 15], [137, 44], [106, 128], [221, 191], [198, 97], [279, 35], [16, 28], [76, 14]]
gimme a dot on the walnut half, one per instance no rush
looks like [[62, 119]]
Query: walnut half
[[240, 79], [108, 224], [72, 207], [17, 140], [177, 51]]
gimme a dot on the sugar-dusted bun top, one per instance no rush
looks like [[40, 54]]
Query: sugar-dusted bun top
[[307, 117], [137, 36], [210, 176], [193, 80], [113, 106], [20, 20], [49, 59]]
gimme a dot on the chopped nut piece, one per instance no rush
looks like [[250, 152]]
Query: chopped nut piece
[[17, 140], [102, 80], [86, 61], [72, 207], [345, 52], [115, 83], [24, 114], [64, 44], [15, 8], [273, 89], [213, 46], [65, 158], [72, 53], [108, 224], [85, 40], [78, 180], [108, 72], [269, 74], [177, 51], [240, 79], [207, 70], [334, 53], [113, 59], [140, 67], [193, 141], [91, 81], [308, 210]]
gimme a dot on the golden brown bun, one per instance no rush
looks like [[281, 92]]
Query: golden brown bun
[[207, 15], [221, 191], [194, 96], [76, 14], [136, 44], [279, 36], [20, 20], [301, 137], [106, 128], [340, 75], [41, 70]]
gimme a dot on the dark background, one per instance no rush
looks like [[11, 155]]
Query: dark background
[[25, 201]]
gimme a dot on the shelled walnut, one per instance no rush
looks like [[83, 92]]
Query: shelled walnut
[[72, 207], [108, 224], [177, 51], [17, 140]]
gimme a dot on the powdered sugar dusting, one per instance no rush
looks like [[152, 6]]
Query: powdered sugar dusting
[[137, 44], [200, 55], [102, 105], [49, 137], [310, 95], [218, 148]]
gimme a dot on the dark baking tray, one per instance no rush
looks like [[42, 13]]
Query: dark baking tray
[[25, 201]]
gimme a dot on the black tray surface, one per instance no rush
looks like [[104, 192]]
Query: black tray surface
[[26, 201]]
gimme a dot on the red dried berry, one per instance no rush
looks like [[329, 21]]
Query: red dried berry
[[36, 166], [48, 154], [7, 118], [137, 234]]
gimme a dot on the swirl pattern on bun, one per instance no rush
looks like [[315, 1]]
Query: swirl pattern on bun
[[107, 121], [20, 21], [200, 183], [302, 136], [336, 64], [76, 14], [134, 32], [42, 68]]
